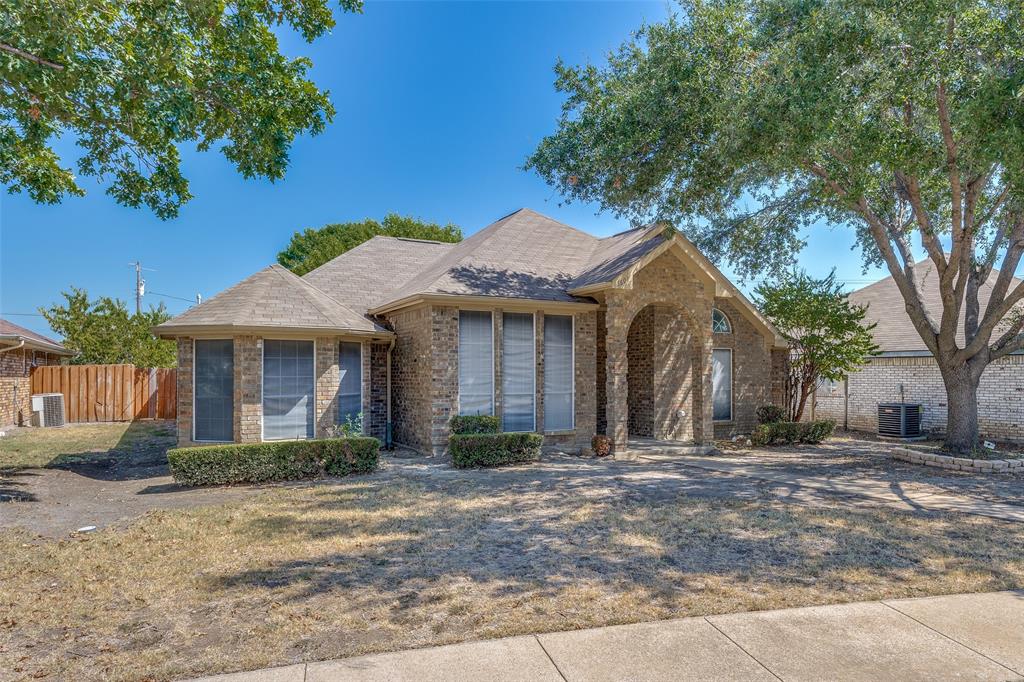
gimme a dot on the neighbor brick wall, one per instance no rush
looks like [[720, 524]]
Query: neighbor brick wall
[[16, 383], [1000, 395], [752, 372]]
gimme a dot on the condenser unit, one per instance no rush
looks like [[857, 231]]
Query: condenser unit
[[48, 409], [899, 420]]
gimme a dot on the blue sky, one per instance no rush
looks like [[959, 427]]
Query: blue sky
[[438, 106]]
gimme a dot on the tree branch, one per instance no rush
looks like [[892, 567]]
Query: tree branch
[[17, 52]]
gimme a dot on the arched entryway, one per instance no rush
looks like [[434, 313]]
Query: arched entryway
[[663, 375]]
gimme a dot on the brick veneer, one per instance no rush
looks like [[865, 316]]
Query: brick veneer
[[1000, 395], [411, 377], [184, 390], [248, 358], [328, 382], [376, 395], [16, 385], [752, 371]]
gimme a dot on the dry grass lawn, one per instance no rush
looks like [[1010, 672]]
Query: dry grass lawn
[[36, 448], [384, 563]]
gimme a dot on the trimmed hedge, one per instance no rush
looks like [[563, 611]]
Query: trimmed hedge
[[770, 414], [273, 461], [475, 423], [785, 433], [470, 450]]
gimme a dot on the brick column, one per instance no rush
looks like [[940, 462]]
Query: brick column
[[248, 360], [444, 373], [585, 342], [328, 381], [184, 392], [617, 321]]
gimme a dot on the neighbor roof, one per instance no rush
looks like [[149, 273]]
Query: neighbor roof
[[895, 333], [11, 333], [273, 298]]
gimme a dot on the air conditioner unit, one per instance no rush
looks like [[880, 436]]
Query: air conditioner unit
[[900, 420], [48, 409]]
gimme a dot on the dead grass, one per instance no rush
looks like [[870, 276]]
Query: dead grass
[[36, 448], [380, 564]]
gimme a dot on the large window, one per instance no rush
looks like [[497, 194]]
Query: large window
[[350, 393], [518, 373], [721, 384], [288, 390], [213, 416], [558, 373], [476, 362]]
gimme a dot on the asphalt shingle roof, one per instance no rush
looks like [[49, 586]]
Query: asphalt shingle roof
[[31, 338], [895, 332]]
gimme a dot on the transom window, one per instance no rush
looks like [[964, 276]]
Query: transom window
[[720, 322]]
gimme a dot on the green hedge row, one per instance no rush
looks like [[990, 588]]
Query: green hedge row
[[475, 423], [493, 449], [274, 461], [785, 433]]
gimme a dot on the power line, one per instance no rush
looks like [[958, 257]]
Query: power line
[[180, 298]]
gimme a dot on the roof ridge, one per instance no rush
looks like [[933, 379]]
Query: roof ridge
[[306, 285], [555, 220]]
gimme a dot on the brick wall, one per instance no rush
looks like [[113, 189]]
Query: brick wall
[[1000, 395], [444, 375], [752, 371], [586, 377], [376, 424], [184, 392], [411, 377], [248, 360], [16, 384], [640, 350], [328, 382]]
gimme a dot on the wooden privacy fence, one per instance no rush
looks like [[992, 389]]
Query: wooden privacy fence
[[110, 393]]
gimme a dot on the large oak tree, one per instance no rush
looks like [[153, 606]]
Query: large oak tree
[[130, 80], [744, 121]]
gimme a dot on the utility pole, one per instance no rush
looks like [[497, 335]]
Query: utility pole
[[140, 288]]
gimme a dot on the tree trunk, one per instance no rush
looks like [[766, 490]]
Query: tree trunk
[[962, 400]]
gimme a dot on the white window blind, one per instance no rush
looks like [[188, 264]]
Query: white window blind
[[558, 373], [518, 373], [721, 384], [350, 393], [214, 390], [476, 362], [288, 389]]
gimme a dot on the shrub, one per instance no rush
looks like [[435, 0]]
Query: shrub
[[770, 414], [493, 449], [601, 445], [278, 461], [785, 433], [475, 423]]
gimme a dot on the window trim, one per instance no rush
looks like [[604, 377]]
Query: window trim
[[572, 374], [728, 322], [362, 397], [732, 386], [263, 381], [494, 397], [533, 365], [194, 363]]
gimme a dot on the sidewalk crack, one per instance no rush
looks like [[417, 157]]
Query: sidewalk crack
[[557, 669], [740, 647]]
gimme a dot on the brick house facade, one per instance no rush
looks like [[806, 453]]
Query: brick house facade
[[639, 306], [21, 350]]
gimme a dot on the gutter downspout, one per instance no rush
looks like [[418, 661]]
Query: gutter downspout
[[20, 344], [388, 443]]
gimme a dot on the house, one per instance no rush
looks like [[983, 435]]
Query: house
[[20, 350], [554, 330], [905, 371]]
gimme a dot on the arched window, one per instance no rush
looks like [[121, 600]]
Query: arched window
[[719, 322]]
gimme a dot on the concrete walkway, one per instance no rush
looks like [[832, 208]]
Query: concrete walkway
[[959, 637], [895, 495]]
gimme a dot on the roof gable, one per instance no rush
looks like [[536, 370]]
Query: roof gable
[[32, 339]]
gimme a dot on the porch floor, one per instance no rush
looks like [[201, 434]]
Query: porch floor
[[649, 447]]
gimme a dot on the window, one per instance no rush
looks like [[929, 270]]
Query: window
[[558, 373], [719, 322], [287, 389], [721, 384], [476, 362], [828, 387], [518, 373], [350, 392], [214, 408]]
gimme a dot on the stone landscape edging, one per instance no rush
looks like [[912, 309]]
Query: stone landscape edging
[[980, 466]]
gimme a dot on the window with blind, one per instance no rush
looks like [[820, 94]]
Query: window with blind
[[559, 385], [213, 414], [721, 384], [288, 389], [518, 372], [476, 362], [350, 392]]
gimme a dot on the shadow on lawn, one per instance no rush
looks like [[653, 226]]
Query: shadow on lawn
[[140, 453], [508, 536]]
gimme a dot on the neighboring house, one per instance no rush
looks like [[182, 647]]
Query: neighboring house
[[904, 369], [20, 351], [554, 330]]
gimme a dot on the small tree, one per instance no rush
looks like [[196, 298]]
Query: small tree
[[826, 333], [103, 332], [312, 248]]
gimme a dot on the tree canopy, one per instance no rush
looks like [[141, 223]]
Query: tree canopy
[[827, 336], [311, 248], [130, 80], [745, 121], [104, 332]]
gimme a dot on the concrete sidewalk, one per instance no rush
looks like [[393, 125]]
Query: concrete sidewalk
[[959, 637]]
